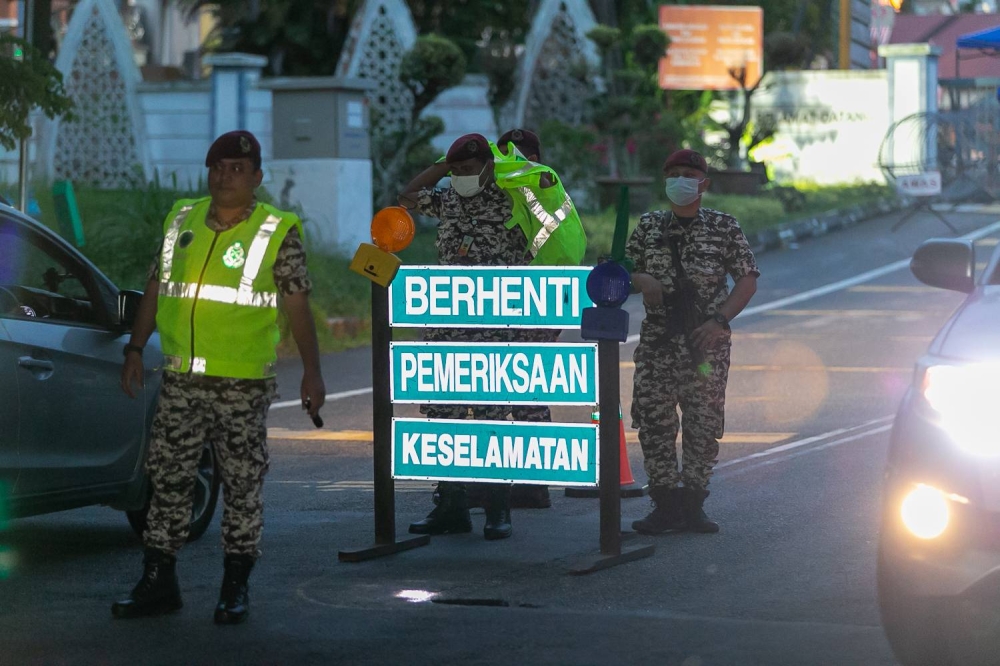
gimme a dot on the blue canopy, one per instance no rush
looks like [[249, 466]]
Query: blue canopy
[[983, 39]]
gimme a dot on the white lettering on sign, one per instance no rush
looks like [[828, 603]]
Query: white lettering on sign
[[508, 296], [410, 448], [494, 372], [445, 450]]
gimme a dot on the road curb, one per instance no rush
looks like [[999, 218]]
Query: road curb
[[820, 225]]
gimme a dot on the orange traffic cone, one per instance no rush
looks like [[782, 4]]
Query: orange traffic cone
[[629, 486]]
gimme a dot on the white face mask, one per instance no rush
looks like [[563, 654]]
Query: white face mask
[[468, 186], [683, 191]]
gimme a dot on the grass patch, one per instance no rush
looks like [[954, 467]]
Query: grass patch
[[123, 230]]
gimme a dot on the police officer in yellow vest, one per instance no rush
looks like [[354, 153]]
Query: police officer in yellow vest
[[213, 293]]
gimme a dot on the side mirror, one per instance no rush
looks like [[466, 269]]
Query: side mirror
[[946, 263], [128, 307]]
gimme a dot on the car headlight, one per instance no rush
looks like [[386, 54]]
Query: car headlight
[[965, 398], [925, 512]]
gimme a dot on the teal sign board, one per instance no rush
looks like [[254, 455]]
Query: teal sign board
[[494, 374], [489, 297], [563, 454]]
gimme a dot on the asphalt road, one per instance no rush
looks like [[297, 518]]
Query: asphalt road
[[819, 364]]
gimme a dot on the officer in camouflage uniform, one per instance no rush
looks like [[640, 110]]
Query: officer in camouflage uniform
[[220, 399], [683, 352], [472, 231]]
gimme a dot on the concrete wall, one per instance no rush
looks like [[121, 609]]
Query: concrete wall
[[464, 109], [178, 121], [830, 124], [333, 195]]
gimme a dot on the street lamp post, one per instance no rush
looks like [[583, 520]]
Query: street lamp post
[[22, 161]]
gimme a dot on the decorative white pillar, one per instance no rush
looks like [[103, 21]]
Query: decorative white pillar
[[913, 89], [233, 75]]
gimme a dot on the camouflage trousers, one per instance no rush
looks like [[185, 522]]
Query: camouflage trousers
[[666, 377], [231, 416]]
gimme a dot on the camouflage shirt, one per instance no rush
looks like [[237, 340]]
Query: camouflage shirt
[[472, 231], [291, 274], [711, 246]]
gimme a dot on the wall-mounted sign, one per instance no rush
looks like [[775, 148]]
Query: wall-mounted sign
[[708, 41]]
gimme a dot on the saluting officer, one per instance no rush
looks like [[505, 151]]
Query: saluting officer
[[682, 258], [213, 293], [472, 230]]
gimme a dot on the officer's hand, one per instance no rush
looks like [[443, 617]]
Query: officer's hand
[[132, 373], [651, 288], [313, 390], [707, 335]]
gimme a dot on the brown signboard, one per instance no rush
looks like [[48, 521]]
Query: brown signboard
[[708, 41]]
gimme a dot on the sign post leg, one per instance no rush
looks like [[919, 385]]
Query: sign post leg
[[612, 552], [386, 542]]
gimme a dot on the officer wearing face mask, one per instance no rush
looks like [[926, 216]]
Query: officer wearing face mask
[[472, 230], [683, 258]]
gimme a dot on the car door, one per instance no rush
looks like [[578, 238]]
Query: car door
[[9, 408], [77, 427]]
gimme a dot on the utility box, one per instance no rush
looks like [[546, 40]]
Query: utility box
[[319, 117]]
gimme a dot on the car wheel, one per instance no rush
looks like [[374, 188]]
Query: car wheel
[[915, 626], [206, 496]]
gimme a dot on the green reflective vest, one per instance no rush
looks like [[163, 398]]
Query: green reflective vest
[[547, 216], [218, 304]]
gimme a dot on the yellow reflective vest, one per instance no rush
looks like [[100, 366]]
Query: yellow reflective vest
[[218, 303]]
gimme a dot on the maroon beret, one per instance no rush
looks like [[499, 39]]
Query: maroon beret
[[688, 158], [525, 140], [233, 146], [468, 147]]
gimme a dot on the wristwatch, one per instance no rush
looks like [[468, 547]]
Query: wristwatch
[[132, 348], [721, 318]]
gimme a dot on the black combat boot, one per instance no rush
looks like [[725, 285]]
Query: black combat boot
[[450, 516], [692, 501], [234, 599], [530, 497], [156, 593], [498, 513], [666, 515]]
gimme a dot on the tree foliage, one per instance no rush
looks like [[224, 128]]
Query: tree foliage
[[433, 65], [471, 23], [26, 83], [630, 114], [299, 37]]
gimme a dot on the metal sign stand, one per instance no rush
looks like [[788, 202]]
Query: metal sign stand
[[612, 551], [386, 541], [923, 204]]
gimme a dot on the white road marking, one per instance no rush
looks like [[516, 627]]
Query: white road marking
[[869, 428], [329, 398]]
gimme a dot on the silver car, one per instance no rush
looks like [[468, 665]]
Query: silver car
[[69, 436], [939, 550]]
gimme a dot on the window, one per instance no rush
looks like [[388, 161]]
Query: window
[[40, 280]]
